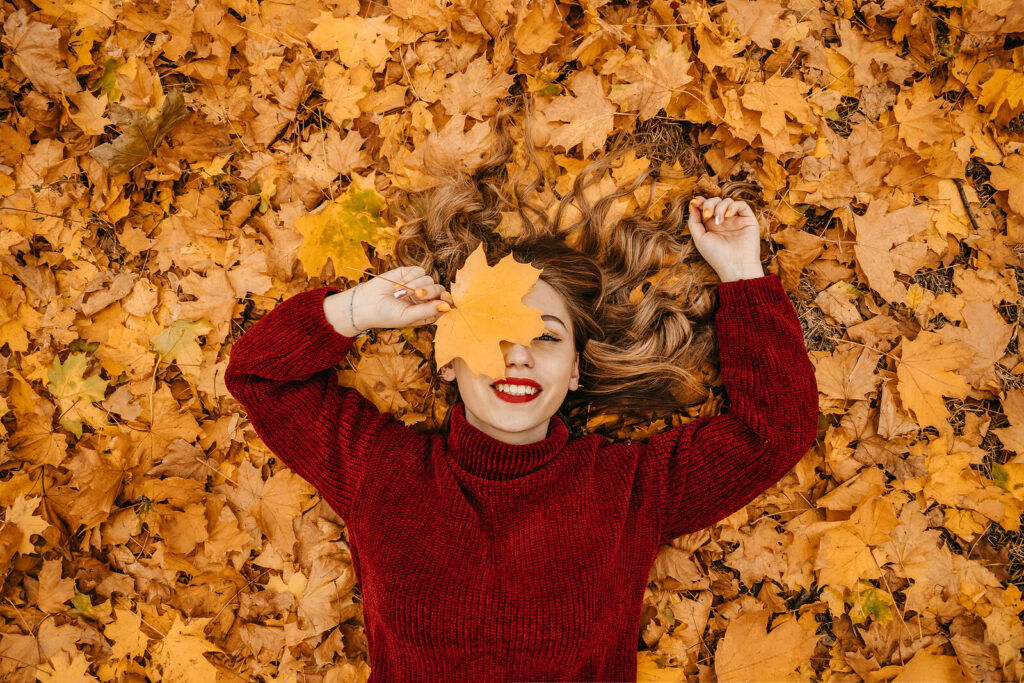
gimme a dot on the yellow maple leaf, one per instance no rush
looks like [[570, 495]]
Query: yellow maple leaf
[[178, 343], [541, 26], [926, 375], [1004, 87], [748, 652], [776, 97], [98, 14], [180, 654], [127, 639], [167, 422], [355, 38], [22, 515], [63, 668], [921, 116], [337, 229], [89, 116], [1010, 177], [488, 310], [76, 393], [587, 114]]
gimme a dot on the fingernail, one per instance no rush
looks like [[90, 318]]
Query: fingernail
[[707, 212], [421, 293], [443, 307], [399, 285], [728, 212]]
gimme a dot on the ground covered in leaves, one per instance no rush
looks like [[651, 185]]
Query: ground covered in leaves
[[170, 170]]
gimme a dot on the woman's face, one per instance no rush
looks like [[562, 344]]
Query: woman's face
[[551, 361]]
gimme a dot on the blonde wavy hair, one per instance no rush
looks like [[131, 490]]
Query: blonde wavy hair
[[650, 357]]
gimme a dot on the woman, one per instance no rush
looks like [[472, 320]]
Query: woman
[[501, 549]]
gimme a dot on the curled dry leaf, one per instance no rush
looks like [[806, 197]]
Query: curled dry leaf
[[140, 134]]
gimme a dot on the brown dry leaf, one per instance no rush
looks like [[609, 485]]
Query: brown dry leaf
[[385, 378], [35, 49], [140, 134], [54, 591], [884, 246]]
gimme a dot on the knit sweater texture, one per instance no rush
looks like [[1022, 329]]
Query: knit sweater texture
[[485, 561]]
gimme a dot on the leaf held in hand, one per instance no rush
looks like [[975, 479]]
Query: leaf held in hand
[[140, 134], [488, 309]]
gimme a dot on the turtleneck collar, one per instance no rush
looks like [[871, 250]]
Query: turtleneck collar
[[487, 458]]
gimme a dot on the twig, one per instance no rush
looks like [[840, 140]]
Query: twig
[[967, 206]]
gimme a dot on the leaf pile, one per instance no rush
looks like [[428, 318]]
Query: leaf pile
[[170, 171]]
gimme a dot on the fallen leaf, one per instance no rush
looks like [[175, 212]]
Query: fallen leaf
[[140, 134]]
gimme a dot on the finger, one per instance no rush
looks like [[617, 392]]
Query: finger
[[414, 283], [708, 207], [694, 222], [406, 273], [735, 208], [425, 293], [438, 292], [721, 207], [743, 209], [425, 314]]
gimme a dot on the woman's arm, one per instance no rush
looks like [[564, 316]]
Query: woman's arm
[[281, 371], [713, 466]]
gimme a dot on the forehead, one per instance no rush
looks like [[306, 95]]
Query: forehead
[[547, 299]]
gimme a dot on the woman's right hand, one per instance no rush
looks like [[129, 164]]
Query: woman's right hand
[[375, 304]]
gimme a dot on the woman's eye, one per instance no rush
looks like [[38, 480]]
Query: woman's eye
[[549, 337]]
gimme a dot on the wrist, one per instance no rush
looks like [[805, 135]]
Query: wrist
[[750, 272], [345, 314]]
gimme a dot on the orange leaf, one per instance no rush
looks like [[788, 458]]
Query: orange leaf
[[488, 309], [926, 374]]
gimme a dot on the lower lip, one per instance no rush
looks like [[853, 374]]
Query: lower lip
[[515, 399]]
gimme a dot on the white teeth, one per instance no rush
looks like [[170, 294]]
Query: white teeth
[[515, 389]]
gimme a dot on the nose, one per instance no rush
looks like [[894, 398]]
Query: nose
[[516, 354]]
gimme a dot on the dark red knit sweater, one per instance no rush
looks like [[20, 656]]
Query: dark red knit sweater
[[483, 561]]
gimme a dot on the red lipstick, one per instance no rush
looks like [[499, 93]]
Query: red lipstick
[[516, 381]]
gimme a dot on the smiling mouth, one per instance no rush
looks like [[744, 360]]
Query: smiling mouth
[[517, 398]]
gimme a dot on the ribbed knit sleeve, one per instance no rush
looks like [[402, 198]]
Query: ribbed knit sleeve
[[280, 370], [711, 467]]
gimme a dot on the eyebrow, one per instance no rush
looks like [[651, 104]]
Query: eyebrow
[[548, 316]]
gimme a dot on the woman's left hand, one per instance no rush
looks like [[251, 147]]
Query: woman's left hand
[[726, 233]]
